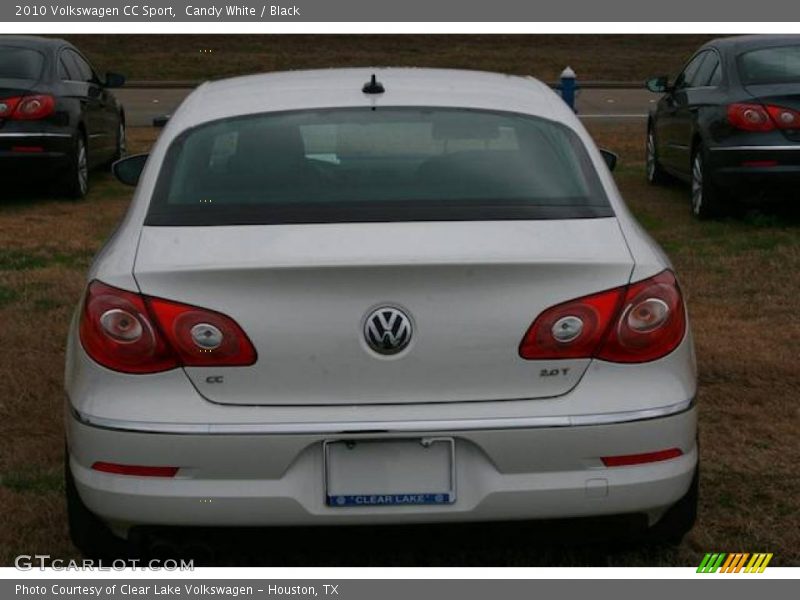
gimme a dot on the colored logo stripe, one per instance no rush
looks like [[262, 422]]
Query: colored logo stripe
[[734, 563], [758, 563], [711, 562], [704, 563]]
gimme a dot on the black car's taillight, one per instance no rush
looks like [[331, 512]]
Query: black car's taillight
[[762, 117], [27, 108]]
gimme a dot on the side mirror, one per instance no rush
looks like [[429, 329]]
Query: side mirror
[[129, 169], [658, 85], [161, 121], [610, 158], [114, 80]]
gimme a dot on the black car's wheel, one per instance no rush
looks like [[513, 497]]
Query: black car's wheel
[[680, 518], [705, 196], [655, 174], [122, 143], [75, 182]]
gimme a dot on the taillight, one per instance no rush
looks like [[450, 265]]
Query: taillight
[[636, 323], [7, 107], [27, 108], [784, 118], [32, 108], [572, 330], [202, 337], [117, 332], [651, 323], [759, 117], [750, 117], [130, 333]]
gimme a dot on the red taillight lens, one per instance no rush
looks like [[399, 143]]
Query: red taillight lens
[[640, 459], [27, 108], [784, 118], [32, 108], [203, 337], [573, 329], [758, 117], [117, 332], [130, 333], [651, 324], [135, 470], [635, 323], [750, 117], [8, 106]]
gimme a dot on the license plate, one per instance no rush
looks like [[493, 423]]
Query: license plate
[[395, 472]]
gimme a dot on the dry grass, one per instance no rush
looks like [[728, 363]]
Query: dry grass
[[606, 57], [738, 276], [740, 280]]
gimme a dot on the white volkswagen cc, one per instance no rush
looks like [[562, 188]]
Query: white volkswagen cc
[[377, 297]]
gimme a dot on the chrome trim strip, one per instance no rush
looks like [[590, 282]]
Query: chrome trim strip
[[759, 148], [11, 134], [355, 427]]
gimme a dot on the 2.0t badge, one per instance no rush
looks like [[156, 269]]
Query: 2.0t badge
[[388, 330]]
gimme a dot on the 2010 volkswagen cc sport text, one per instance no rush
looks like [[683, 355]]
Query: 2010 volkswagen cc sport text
[[371, 297]]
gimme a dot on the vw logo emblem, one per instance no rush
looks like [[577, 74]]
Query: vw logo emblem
[[388, 330]]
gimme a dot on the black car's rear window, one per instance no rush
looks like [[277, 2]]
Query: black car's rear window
[[389, 164], [770, 65], [20, 63]]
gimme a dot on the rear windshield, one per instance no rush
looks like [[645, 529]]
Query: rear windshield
[[770, 65], [20, 63], [389, 164]]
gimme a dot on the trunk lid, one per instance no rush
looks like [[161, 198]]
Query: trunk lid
[[10, 87], [302, 294]]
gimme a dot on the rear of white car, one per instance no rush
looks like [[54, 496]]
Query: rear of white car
[[421, 301]]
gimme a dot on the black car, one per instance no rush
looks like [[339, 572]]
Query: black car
[[57, 118], [730, 123]]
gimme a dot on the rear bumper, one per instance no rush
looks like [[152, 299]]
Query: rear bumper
[[277, 479], [263, 465], [33, 151], [753, 166]]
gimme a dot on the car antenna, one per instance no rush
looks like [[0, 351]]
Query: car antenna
[[373, 86]]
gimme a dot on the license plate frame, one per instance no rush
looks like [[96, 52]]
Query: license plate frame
[[445, 447]]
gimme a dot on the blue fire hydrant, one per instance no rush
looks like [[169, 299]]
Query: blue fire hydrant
[[569, 87]]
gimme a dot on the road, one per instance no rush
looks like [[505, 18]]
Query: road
[[143, 104], [615, 103]]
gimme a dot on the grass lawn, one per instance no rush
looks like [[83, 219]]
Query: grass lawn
[[594, 57], [740, 280]]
